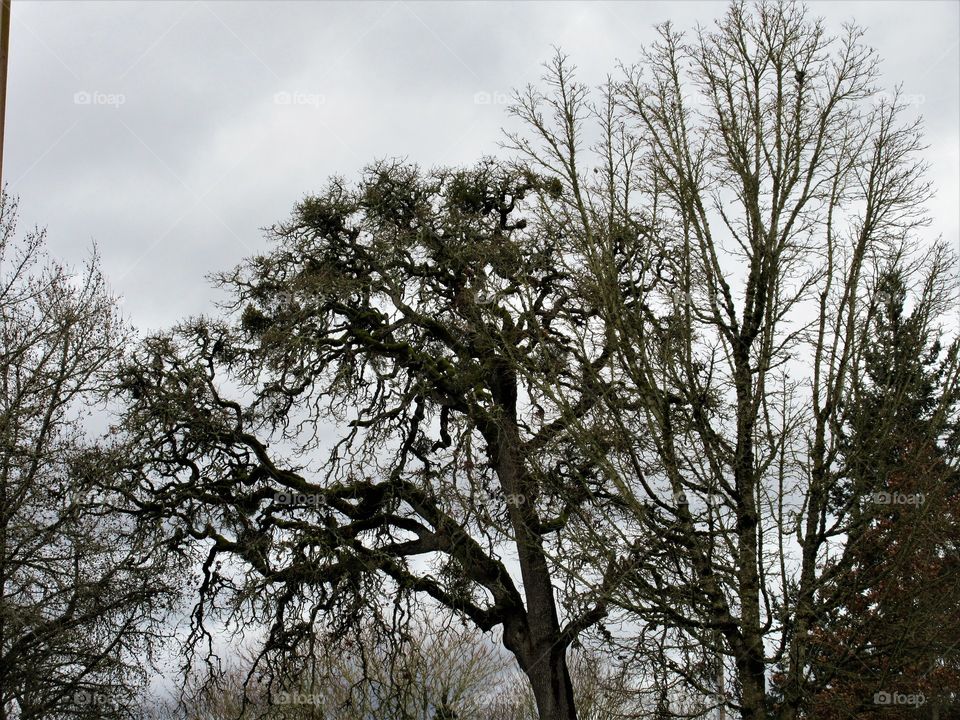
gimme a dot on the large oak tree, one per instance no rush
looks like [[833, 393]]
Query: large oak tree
[[410, 308]]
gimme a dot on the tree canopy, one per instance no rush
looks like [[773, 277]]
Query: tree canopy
[[620, 385]]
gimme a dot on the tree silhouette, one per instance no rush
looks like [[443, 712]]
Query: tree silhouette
[[409, 309]]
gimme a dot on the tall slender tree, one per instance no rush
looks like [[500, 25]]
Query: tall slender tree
[[735, 193]]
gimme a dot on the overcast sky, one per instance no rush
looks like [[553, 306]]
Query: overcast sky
[[169, 133]]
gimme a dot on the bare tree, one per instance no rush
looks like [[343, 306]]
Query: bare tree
[[82, 592], [738, 194], [441, 672]]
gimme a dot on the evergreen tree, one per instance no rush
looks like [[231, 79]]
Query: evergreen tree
[[890, 647]]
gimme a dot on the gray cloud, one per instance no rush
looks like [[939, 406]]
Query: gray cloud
[[187, 149]]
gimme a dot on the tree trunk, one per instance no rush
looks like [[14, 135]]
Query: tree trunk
[[537, 641], [751, 665], [753, 687], [545, 666], [550, 679]]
